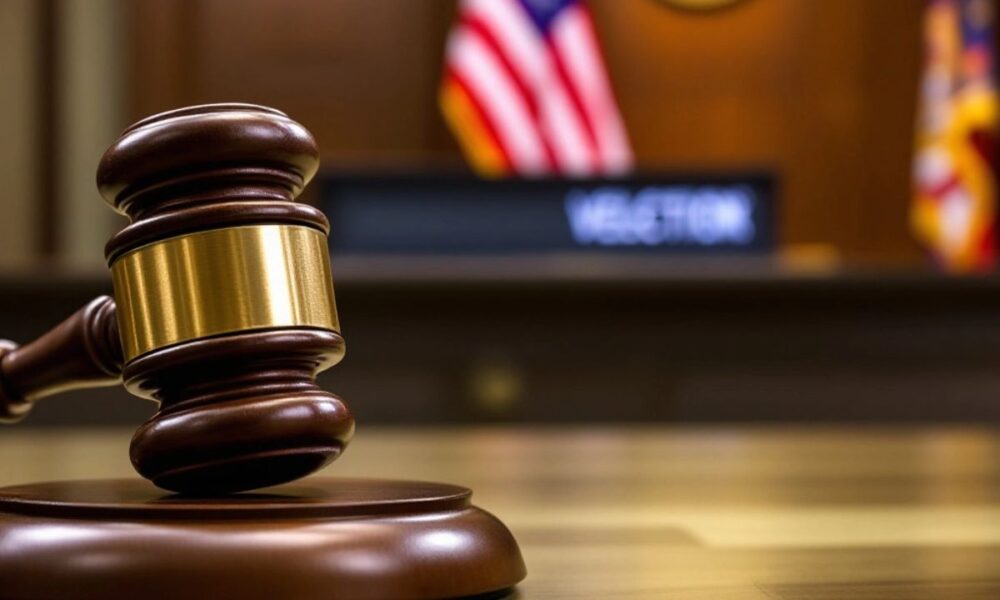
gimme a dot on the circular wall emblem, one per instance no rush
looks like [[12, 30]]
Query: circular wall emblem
[[700, 4]]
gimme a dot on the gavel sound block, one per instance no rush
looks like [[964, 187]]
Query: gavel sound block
[[223, 313]]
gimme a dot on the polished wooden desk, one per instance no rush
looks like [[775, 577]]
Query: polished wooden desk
[[765, 513]]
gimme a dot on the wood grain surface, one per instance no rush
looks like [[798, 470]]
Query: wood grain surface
[[643, 513]]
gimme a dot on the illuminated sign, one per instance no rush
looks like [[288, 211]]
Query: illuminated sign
[[442, 215], [662, 215]]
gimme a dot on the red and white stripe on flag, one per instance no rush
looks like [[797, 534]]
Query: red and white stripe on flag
[[527, 93]]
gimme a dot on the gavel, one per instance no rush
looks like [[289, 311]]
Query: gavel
[[223, 308]]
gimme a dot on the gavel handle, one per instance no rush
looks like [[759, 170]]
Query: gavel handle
[[82, 351]]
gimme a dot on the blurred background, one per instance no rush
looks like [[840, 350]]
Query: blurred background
[[611, 211]]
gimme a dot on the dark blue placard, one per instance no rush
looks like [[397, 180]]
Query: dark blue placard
[[451, 215]]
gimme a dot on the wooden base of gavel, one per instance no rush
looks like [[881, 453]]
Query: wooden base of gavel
[[224, 314]]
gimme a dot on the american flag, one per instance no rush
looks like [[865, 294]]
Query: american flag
[[526, 91]]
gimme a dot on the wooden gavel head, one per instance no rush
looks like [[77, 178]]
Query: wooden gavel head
[[223, 307]]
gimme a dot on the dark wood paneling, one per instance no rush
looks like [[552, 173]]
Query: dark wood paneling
[[846, 349], [821, 92], [49, 152], [361, 75]]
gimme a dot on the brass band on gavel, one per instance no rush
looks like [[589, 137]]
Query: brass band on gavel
[[233, 279]]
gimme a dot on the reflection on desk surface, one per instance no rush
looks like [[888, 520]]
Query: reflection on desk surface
[[791, 513]]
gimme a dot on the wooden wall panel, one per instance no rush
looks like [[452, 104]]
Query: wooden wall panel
[[821, 92], [20, 119], [847, 349], [362, 75], [88, 117]]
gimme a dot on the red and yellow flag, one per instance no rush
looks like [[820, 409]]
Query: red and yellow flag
[[955, 206]]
